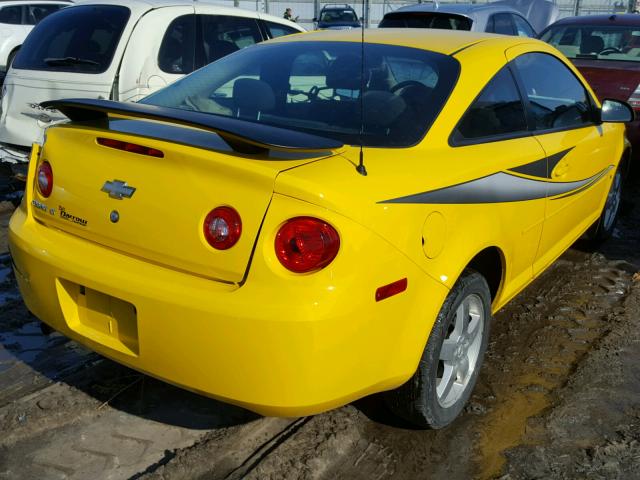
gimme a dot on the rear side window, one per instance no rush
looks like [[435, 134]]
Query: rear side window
[[224, 34], [425, 20], [11, 15], [80, 39], [178, 47], [497, 111], [37, 12], [501, 23], [522, 27], [556, 98], [278, 30]]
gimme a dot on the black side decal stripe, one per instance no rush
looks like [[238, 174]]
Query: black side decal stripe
[[499, 187], [596, 179], [542, 168]]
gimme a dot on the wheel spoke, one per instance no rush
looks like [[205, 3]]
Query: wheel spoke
[[475, 327], [462, 318], [448, 350], [446, 382], [463, 369]]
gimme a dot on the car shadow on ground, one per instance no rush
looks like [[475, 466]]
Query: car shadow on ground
[[31, 360]]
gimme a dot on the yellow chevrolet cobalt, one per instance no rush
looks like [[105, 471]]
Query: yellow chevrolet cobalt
[[313, 220]]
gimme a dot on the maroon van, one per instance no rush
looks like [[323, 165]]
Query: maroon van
[[606, 50]]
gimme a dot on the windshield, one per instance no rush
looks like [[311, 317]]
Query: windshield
[[78, 39], [338, 16], [314, 87], [425, 20], [609, 42]]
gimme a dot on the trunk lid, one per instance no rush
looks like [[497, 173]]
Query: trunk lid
[[163, 220], [610, 78]]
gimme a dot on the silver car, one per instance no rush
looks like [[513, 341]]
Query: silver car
[[507, 17]]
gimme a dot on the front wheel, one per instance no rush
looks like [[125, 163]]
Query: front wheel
[[603, 228], [448, 369]]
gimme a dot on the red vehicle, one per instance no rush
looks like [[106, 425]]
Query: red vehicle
[[606, 50]]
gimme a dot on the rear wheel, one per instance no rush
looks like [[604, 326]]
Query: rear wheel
[[448, 369], [603, 228]]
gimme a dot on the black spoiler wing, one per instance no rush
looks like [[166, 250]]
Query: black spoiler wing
[[241, 135]]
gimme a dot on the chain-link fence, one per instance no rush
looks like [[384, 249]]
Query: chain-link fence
[[307, 10]]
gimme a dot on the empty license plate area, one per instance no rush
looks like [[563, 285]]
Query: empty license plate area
[[102, 318]]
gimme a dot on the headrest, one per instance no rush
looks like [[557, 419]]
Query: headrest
[[254, 95], [591, 44], [382, 108], [344, 73]]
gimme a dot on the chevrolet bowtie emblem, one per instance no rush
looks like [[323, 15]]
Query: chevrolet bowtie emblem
[[118, 189]]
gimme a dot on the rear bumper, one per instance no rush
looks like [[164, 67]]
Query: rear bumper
[[278, 345]]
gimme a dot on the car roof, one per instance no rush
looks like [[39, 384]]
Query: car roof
[[28, 2], [145, 5], [441, 41], [467, 9], [612, 19]]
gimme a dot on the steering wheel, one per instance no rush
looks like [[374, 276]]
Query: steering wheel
[[609, 50], [405, 84]]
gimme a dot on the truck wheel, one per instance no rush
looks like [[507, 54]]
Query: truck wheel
[[448, 369], [603, 228]]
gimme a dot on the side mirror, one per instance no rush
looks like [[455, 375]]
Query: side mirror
[[315, 19], [616, 111]]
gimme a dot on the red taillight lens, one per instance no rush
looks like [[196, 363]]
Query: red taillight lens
[[45, 179], [222, 228], [130, 147], [304, 244]]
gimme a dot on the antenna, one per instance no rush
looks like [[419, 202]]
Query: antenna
[[361, 168]]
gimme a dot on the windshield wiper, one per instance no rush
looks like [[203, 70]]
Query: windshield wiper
[[69, 61]]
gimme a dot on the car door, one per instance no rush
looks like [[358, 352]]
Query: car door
[[561, 113], [494, 131]]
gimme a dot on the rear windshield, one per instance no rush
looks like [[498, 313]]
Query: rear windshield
[[315, 87], [425, 20], [608, 42], [338, 16], [79, 39]]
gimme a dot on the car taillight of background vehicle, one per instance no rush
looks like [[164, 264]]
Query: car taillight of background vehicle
[[45, 179], [634, 99], [222, 228], [305, 244]]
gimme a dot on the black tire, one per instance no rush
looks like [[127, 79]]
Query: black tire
[[418, 401], [603, 228]]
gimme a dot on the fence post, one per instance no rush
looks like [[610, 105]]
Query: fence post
[[576, 8]]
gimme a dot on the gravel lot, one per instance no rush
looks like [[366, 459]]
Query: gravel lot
[[558, 397]]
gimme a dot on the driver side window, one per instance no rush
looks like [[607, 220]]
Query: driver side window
[[556, 99]]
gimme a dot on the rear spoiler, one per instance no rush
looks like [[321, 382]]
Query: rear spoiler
[[241, 135]]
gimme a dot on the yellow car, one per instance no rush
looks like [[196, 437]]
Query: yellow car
[[298, 225]]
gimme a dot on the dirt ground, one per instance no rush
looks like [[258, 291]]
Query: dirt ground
[[558, 398]]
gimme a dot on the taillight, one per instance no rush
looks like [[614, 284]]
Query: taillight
[[222, 228], [130, 147], [304, 244], [634, 99], [45, 179]]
